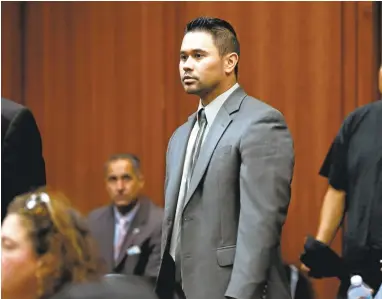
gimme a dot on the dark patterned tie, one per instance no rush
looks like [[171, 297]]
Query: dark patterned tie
[[202, 121]]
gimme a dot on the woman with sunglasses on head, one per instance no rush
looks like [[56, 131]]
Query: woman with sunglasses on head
[[45, 246]]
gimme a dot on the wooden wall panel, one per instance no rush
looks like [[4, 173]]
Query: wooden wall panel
[[105, 88], [11, 50], [349, 57], [367, 58], [102, 77]]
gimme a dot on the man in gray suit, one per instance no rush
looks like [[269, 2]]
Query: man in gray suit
[[128, 231], [227, 189]]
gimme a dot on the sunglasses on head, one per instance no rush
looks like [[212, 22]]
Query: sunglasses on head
[[38, 206], [38, 203]]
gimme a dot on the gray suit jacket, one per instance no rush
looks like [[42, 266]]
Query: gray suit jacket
[[144, 232], [235, 207]]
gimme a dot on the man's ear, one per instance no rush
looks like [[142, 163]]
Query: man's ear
[[230, 62], [141, 180]]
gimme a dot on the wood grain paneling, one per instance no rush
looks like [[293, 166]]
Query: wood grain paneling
[[367, 61], [106, 78], [11, 50], [102, 77]]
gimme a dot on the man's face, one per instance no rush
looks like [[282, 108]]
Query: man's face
[[200, 66], [122, 183]]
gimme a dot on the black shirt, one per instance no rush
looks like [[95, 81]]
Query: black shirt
[[354, 165]]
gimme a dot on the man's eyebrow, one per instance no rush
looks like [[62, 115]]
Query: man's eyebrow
[[193, 51]]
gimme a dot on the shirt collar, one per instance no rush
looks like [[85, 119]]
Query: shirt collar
[[128, 217], [214, 106]]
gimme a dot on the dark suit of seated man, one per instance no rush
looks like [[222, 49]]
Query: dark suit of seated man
[[128, 231], [124, 287], [22, 162]]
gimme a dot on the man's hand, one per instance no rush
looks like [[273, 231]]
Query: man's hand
[[304, 268], [322, 260]]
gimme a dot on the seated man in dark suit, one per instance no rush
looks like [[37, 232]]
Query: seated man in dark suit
[[114, 287], [22, 162], [128, 230]]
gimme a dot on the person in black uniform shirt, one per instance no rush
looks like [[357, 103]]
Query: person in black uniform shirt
[[353, 167], [22, 162]]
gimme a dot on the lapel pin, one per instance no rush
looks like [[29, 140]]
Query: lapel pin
[[136, 231]]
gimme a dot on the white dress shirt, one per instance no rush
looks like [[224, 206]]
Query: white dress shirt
[[129, 217]]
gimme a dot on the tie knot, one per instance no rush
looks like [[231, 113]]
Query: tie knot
[[123, 222], [202, 117]]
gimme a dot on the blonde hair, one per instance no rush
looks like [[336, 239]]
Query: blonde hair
[[61, 239]]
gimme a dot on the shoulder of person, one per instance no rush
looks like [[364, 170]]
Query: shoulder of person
[[355, 118], [98, 212], [155, 212], [254, 111], [10, 109], [254, 106], [181, 127]]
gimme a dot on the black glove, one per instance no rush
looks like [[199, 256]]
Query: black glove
[[323, 261]]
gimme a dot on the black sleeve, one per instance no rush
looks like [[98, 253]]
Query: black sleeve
[[334, 166], [23, 163]]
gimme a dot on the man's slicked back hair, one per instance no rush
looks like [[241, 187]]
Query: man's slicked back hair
[[126, 156], [222, 32]]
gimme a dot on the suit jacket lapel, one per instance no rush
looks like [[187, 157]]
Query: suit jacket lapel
[[220, 124], [178, 150], [135, 228]]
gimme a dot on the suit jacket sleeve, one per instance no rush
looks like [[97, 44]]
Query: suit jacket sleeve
[[23, 163], [265, 175], [153, 264]]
